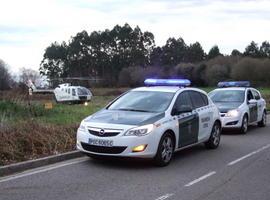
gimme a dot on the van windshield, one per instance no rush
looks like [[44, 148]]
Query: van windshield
[[143, 101]]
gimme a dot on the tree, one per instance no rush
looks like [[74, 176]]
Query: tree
[[29, 74], [252, 50], [235, 52], [156, 57], [5, 77], [100, 53], [174, 52], [195, 53], [54, 60], [265, 49], [213, 52]]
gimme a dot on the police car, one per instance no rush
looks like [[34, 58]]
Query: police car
[[240, 105], [152, 122]]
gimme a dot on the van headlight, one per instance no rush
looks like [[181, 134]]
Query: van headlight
[[232, 113], [140, 131]]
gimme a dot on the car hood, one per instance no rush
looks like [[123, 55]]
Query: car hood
[[225, 107], [124, 117]]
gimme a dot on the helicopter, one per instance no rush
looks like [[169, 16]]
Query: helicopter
[[64, 93]]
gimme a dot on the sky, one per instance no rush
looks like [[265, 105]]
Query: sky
[[27, 27]]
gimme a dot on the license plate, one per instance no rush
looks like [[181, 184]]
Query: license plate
[[97, 142]]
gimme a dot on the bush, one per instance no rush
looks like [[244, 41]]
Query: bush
[[135, 76], [30, 140], [216, 73], [253, 69]]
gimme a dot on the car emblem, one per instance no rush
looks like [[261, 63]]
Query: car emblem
[[101, 132]]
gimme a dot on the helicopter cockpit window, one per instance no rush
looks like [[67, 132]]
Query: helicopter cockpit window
[[82, 91]]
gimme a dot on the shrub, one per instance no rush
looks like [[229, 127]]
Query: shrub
[[216, 73], [135, 76], [30, 140], [253, 69]]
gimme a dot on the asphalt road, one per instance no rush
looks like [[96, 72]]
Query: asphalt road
[[238, 169]]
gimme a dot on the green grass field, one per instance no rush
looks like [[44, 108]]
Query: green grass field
[[62, 114]]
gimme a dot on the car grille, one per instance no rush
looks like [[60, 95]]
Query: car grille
[[104, 132], [101, 149]]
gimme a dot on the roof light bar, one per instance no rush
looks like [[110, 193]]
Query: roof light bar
[[234, 84], [167, 82]]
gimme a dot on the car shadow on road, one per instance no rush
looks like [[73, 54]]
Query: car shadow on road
[[252, 129], [142, 164]]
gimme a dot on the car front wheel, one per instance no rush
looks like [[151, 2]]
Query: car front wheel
[[244, 127], [165, 150]]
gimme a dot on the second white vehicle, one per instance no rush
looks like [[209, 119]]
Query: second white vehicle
[[152, 122], [240, 105]]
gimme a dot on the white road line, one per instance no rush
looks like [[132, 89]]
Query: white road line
[[248, 155], [200, 179], [40, 170], [166, 196]]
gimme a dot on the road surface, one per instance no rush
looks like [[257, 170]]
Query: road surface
[[238, 169]]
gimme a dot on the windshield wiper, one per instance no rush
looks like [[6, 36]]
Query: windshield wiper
[[131, 109]]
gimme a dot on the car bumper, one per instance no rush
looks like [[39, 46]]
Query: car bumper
[[231, 122], [122, 145]]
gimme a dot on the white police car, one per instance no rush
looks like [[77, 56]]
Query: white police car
[[152, 122], [240, 105]]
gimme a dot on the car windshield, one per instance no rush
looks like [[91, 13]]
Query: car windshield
[[227, 95], [82, 91], [143, 101]]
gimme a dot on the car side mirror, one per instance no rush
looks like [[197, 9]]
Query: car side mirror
[[181, 109], [252, 101]]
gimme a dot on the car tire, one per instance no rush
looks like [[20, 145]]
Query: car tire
[[244, 126], [165, 150], [214, 139], [262, 123]]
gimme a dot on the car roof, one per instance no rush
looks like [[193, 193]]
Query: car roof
[[172, 89], [234, 88]]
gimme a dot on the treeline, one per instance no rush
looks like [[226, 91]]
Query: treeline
[[125, 56]]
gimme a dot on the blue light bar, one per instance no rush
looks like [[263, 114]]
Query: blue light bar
[[234, 84], [167, 82]]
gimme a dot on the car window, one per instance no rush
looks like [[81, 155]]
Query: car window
[[249, 95], [183, 99], [205, 99], [197, 99], [256, 94]]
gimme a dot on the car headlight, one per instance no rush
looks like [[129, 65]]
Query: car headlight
[[82, 128], [140, 131], [232, 113]]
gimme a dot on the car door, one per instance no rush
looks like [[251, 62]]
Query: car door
[[200, 104], [253, 107], [260, 104], [188, 122]]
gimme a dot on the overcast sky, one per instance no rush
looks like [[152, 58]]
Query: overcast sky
[[27, 27]]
